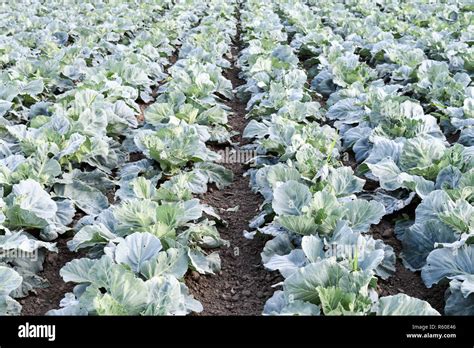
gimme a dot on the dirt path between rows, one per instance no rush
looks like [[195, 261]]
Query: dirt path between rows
[[41, 300], [243, 285], [405, 281]]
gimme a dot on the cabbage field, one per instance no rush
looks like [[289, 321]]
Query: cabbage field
[[225, 157]]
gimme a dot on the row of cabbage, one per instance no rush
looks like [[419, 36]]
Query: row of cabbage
[[398, 82], [48, 125], [145, 244], [66, 149], [319, 225]]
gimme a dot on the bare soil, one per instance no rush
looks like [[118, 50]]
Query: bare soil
[[405, 281], [243, 285], [43, 299]]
